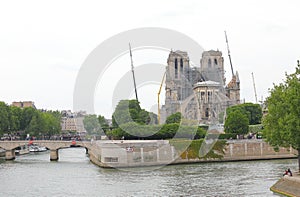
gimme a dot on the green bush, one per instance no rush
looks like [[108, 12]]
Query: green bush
[[227, 136], [189, 149], [156, 132]]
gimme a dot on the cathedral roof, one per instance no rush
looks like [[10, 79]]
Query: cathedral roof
[[207, 83]]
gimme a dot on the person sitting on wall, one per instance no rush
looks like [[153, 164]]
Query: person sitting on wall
[[288, 172]]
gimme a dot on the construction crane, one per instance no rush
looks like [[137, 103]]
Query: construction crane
[[254, 88], [229, 54], [158, 94], [132, 69]]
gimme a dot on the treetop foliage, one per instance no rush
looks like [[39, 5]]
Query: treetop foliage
[[237, 122], [253, 112], [282, 122], [32, 121], [239, 117], [130, 111], [174, 118]]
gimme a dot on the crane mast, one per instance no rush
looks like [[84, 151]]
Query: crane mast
[[229, 54], [254, 88], [132, 70], [158, 94]]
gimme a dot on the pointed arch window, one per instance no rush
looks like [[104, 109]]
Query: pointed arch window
[[209, 63], [176, 68], [216, 61], [181, 65]]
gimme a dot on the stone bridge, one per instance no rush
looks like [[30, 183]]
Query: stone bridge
[[53, 146]]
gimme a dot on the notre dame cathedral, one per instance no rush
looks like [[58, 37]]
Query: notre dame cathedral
[[199, 93]]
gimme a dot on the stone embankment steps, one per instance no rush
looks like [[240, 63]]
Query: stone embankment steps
[[288, 185]]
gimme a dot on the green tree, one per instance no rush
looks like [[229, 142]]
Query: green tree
[[103, 122], [168, 130], [32, 121], [4, 117], [174, 118], [144, 117], [132, 131], [236, 122], [51, 122], [123, 113], [91, 124], [282, 123], [130, 111], [253, 112], [15, 116], [36, 126], [27, 114]]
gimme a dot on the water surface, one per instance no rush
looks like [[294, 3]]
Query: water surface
[[74, 175]]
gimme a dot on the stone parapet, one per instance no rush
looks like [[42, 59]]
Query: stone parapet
[[239, 149]]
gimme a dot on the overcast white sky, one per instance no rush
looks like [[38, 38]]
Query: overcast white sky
[[43, 44]]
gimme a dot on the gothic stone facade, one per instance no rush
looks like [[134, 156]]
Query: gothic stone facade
[[199, 93]]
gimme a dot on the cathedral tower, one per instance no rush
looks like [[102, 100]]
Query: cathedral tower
[[178, 86], [212, 66]]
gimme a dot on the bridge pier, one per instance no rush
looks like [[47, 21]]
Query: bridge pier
[[10, 154], [54, 155]]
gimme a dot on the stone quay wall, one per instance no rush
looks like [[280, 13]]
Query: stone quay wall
[[255, 149], [288, 186], [129, 153], [247, 150]]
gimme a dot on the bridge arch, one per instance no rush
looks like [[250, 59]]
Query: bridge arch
[[53, 146]]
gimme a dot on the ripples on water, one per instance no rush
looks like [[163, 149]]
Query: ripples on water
[[74, 175]]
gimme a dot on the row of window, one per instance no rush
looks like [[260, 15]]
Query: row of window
[[207, 98], [176, 67], [215, 61], [181, 65]]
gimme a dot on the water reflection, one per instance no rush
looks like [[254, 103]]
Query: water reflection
[[74, 175]]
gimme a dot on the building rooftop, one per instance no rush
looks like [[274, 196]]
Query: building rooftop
[[207, 83]]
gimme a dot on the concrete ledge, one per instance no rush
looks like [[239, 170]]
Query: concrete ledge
[[162, 153], [238, 159], [288, 186]]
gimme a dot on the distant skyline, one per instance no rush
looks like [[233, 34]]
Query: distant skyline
[[43, 44]]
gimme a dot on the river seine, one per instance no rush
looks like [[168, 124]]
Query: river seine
[[74, 175]]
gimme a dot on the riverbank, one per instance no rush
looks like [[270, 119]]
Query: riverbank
[[74, 170], [288, 185], [139, 153]]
